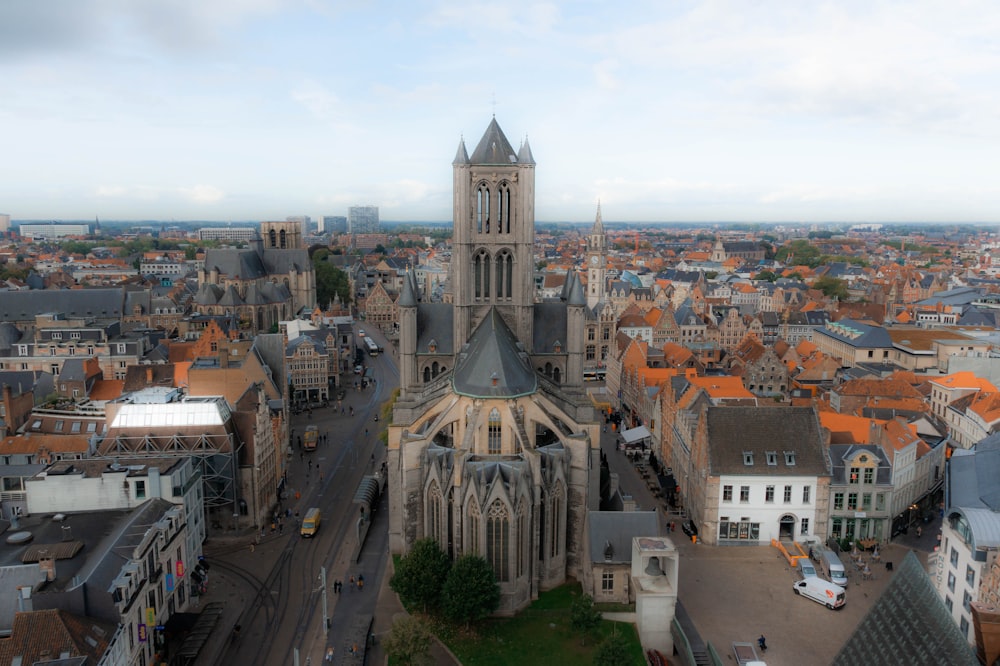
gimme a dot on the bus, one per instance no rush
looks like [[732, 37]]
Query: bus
[[373, 348], [310, 438]]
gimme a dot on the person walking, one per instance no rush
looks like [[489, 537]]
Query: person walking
[[352, 583], [762, 642]]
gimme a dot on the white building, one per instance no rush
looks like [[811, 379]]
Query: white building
[[970, 532]]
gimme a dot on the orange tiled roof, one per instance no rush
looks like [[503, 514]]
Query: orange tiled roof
[[107, 389], [965, 379], [722, 387], [856, 428]]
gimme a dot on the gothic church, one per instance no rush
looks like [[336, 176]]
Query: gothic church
[[494, 448]]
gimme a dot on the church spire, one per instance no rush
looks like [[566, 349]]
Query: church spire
[[598, 223]]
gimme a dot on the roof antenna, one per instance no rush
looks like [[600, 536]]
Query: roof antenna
[[494, 105]]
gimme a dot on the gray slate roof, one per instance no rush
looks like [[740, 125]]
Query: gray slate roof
[[618, 528], [909, 624], [494, 148], [24, 305], [491, 364], [549, 326], [870, 336], [434, 324], [735, 430]]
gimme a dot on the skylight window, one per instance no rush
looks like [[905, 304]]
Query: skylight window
[[748, 458]]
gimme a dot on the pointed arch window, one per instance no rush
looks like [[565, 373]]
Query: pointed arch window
[[427, 374], [472, 529], [481, 267], [281, 236], [556, 521], [434, 502], [494, 431], [522, 540], [498, 540], [273, 238], [483, 209], [503, 209], [504, 275]]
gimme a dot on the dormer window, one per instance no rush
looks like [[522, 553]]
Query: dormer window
[[772, 457], [432, 346], [748, 458], [557, 347], [790, 458]]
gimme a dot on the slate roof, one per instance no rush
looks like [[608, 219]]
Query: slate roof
[[9, 334], [973, 489], [617, 529], [549, 326], [434, 324], [246, 264], [840, 452], [733, 431], [24, 305], [494, 148], [908, 624], [491, 364], [867, 336]]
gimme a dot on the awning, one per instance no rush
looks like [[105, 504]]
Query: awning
[[635, 435]]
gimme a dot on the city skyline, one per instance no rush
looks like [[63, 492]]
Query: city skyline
[[687, 112]]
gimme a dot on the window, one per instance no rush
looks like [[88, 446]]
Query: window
[[838, 501], [56, 335], [744, 493], [789, 457], [869, 475], [772, 457], [966, 600], [608, 582], [58, 427], [806, 490], [855, 475], [970, 576], [838, 527], [743, 530], [954, 557], [951, 581], [140, 490], [852, 501], [493, 428], [74, 335], [866, 502], [769, 494], [880, 502], [948, 603], [121, 348], [498, 539], [727, 493], [788, 494], [747, 458], [963, 626], [805, 526]]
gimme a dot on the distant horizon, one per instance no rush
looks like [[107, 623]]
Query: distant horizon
[[606, 222]]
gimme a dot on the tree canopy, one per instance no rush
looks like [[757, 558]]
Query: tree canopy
[[330, 280], [421, 574], [831, 287], [583, 616], [613, 651], [471, 592], [408, 642]]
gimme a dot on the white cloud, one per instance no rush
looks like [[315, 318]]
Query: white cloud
[[202, 193]]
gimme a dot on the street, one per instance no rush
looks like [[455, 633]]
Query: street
[[274, 588]]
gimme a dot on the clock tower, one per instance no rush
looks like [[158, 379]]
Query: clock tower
[[597, 261]]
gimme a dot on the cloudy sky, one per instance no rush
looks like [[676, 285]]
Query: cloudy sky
[[662, 110]]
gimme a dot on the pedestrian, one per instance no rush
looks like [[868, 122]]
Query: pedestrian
[[329, 654], [920, 531], [366, 432], [273, 527], [352, 583], [253, 546], [361, 583], [762, 642]]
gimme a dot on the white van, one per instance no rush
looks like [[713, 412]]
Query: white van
[[830, 595], [834, 567]]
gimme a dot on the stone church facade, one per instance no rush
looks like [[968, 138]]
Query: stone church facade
[[494, 448]]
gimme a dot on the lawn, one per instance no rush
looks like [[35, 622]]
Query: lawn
[[541, 634]]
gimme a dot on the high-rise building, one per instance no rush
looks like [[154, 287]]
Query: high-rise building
[[4, 223], [362, 219], [334, 224]]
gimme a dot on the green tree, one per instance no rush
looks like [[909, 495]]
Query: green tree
[[408, 642], [421, 574], [471, 592], [770, 276], [613, 651], [584, 617], [832, 287], [330, 280]]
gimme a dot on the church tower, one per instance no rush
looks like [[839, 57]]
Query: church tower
[[597, 261], [494, 233], [281, 235], [494, 446]]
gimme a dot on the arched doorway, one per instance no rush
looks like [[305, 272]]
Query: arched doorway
[[786, 527]]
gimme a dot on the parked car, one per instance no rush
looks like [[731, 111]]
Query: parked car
[[689, 528]]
